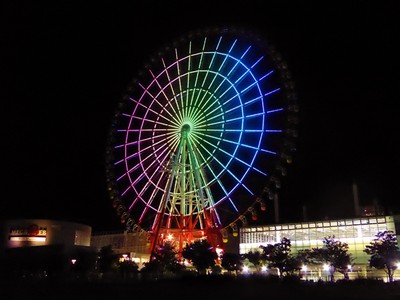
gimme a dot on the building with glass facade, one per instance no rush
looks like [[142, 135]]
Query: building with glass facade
[[356, 232], [134, 245]]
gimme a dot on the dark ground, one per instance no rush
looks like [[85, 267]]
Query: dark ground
[[200, 288]]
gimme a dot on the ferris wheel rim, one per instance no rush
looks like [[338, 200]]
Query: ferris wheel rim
[[206, 160]]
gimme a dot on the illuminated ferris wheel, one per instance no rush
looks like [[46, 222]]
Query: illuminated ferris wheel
[[202, 137]]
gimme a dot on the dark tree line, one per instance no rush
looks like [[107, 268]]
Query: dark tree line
[[202, 257], [384, 252]]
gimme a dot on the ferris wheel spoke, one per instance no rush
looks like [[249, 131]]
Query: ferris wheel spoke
[[205, 108], [238, 61], [249, 72], [159, 145], [140, 164], [214, 116], [203, 136], [225, 78], [144, 189], [148, 130], [197, 140], [155, 112], [162, 91], [152, 121], [255, 82], [169, 83], [136, 154], [235, 59], [236, 143], [138, 194], [224, 167], [158, 154], [152, 196], [188, 76], [200, 134], [238, 159], [199, 67], [230, 88], [179, 81], [203, 103], [256, 99], [221, 185], [139, 141], [130, 186], [209, 115], [272, 92], [218, 72], [274, 110], [138, 103], [268, 151], [208, 69], [241, 118], [263, 131]]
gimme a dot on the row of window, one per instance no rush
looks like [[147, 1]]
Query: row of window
[[355, 231], [321, 224]]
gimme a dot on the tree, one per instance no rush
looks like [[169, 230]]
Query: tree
[[108, 260], [255, 258], [232, 262], [335, 254], [384, 252], [164, 260], [200, 254], [85, 261], [128, 269], [279, 256]]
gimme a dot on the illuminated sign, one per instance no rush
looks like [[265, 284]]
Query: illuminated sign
[[32, 233]]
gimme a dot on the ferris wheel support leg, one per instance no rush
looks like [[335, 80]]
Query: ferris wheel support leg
[[155, 239]]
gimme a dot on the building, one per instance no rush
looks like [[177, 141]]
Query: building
[[133, 245], [38, 247], [357, 233], [39, 232]]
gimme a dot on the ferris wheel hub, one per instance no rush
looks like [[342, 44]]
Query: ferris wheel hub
[[185, 128]]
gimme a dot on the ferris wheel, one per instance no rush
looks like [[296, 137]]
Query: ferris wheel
[[200, 140]]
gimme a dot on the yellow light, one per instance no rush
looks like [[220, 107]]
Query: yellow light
[[264, 269], [28, 238]]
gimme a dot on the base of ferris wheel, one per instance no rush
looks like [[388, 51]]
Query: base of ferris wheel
[[179, 238]]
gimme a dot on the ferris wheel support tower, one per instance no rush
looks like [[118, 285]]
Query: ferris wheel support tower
[[186, 211]]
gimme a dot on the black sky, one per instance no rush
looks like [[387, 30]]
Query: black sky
[[66, 64]]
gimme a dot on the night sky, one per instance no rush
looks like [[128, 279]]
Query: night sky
[[66, 64]]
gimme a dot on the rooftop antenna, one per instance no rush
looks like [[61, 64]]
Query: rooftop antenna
[[356, 200], [276, 205]]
